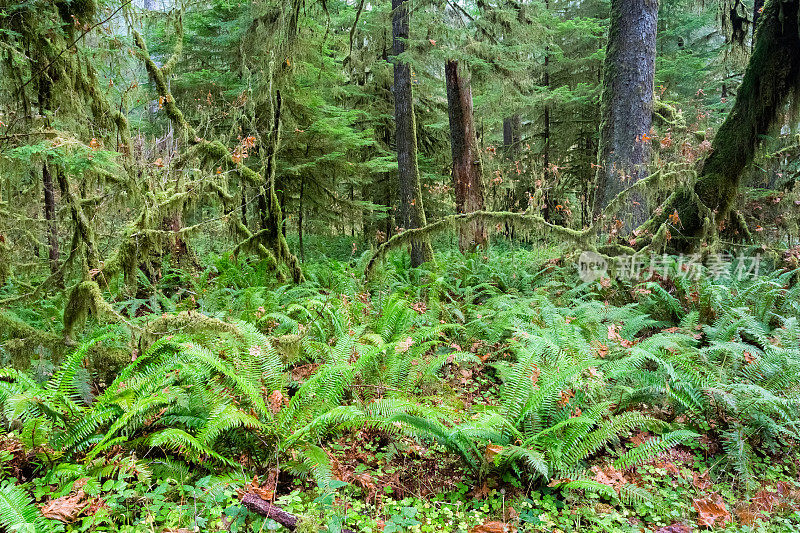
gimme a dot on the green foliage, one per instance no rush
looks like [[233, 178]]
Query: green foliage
[[18, 512]]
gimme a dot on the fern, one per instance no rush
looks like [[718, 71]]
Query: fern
[[18, 512]]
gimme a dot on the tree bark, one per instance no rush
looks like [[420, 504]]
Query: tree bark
[[511, 134], [758, 5], [627, 106], [411, 207], [771, 77], [50, 217], [549, 177], [260, 506], [467, 168], [300, 218]]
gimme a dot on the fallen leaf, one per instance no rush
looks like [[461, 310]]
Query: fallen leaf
[[277, 401], [67, 508], [493, 527], [701, 482], [492, 450], [711, 510], [608, 475]]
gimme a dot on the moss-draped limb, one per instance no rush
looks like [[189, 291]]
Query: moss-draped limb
[[667, 177], [520, 220], [83, 229], [22, 339], [772, 77], [84, 298], [216, 150], [187, 322]]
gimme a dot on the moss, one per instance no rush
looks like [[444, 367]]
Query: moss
[[769, 80], [23, 339], [5, 262], [187, 322], [271, 244], [288, 346], [85, 298], [490, 218]]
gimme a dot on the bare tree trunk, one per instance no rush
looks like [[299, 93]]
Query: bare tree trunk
[[467, 168], [627, 106], [411, 206], [546, 199], [50, 217], [511, 134], [244, 204]]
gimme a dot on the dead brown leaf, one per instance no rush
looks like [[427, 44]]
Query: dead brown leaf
[[493, 527], [711, 510], [608, 475], [701, 482], [276, 401], [67, 508], [491, 451]]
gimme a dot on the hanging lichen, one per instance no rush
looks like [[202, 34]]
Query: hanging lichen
[[85, 298]]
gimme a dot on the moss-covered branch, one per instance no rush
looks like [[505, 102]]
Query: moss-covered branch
[[454, 222], [771, 78], [84, 298], [215, 150]]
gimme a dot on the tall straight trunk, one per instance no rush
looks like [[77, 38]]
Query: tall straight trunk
[[546, 200], [627, 106], [300, 219], [511, 134], [467, 168], [244, 204], [411, 206], [50, 217]]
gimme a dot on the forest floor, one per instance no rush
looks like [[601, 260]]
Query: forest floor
[[486, 394]]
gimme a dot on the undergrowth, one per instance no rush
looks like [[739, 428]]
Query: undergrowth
[[507, 365]]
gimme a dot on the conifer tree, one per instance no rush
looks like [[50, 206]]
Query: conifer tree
[[411, 207]]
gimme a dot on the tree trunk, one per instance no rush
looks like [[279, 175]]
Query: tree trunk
[[549, 177], [265, 508], [771, 77], [411, 206], [627, 106], [50, 217], [511, 135], [758, 5], [244, 204], [467, 168], [300, 219]]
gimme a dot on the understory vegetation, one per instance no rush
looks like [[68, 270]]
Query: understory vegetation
[[488, 388], [344, 266]]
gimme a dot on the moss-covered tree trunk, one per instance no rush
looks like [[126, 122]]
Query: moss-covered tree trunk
[[771, 78], [411, 208], [627, 106], [467, 168], [50, 217]]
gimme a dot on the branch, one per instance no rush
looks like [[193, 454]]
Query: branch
[[70, 45], [489, 217], [260, 506]]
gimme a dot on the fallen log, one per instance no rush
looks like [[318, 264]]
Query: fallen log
[[261, 506]]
